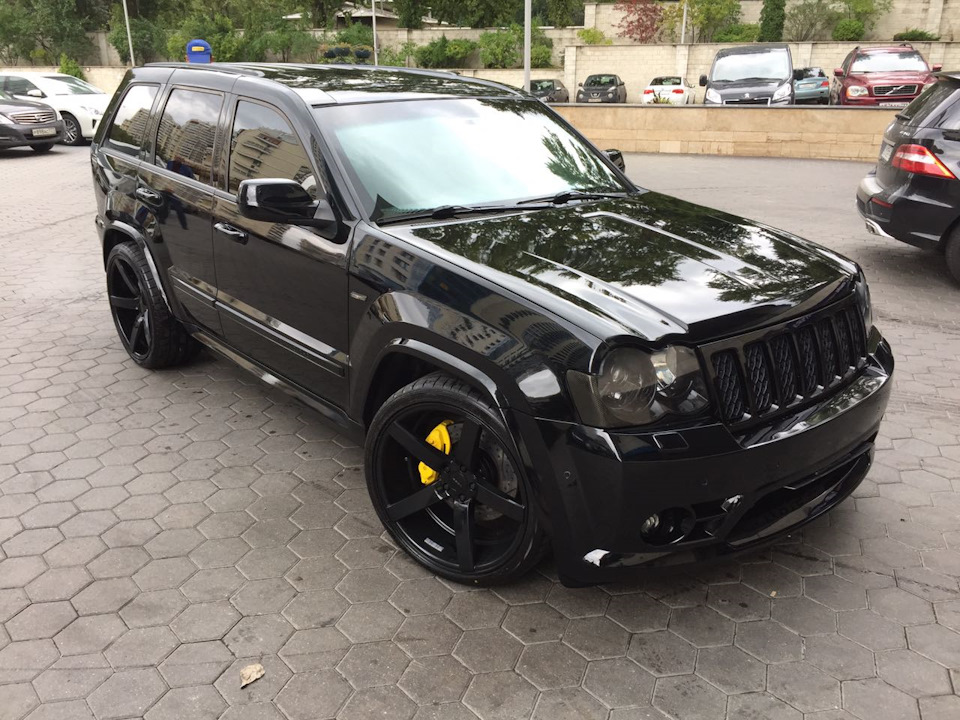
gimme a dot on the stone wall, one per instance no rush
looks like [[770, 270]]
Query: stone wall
[[799, 132]]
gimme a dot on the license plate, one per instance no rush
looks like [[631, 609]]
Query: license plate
[[595, 100], [886, 152], [894, 104], [44, 132]]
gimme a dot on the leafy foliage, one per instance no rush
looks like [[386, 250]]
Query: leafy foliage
[[397, 57], [69, 66], [356, 34], [810, 20], [917, 35], [444, 53], [848, 30], [504, 48], [738, 33], [593, 36], [705, 18], [866, 11], [641, 19], [410, 13], [772, 18], [42, 30], [563, 13], [149, 39]]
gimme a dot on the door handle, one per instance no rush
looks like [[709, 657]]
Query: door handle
[[235, 234], [148, 196]]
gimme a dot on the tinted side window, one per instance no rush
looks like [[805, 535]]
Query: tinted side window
[[19, 86], [264, 146], [187, 130], [933, 107], [130, 123]]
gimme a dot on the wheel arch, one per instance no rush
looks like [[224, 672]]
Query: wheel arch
[[118, 232]]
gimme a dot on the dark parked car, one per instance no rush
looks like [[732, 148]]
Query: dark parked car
[[750, 75], [811, 86], [551, 91], [881, 77], [537, 352], [913, 194], [602, 89], [24, 122]]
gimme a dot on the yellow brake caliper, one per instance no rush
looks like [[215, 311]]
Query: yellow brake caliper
[[439, 437]]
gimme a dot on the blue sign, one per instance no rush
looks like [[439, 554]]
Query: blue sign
[[198, 51]]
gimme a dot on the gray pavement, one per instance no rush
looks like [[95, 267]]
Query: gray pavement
[[161, 530]]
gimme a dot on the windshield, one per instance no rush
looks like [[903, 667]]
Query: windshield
[[770, 65], [4, 96], [909, 61], [67, 85], [666, 81], [410, 156], [541, 85], [601, 81]]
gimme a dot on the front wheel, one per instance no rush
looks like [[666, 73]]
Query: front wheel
[[447, 484], [42, 148], [72, 134]]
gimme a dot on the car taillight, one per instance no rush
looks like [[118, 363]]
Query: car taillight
[[677, 91], [918, 159], [825, 83], [648, 91]]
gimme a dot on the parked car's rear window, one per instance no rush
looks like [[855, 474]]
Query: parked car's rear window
[[130, 123], [937, 106], [670, 80], [536, 85], [813, 72], [909, 60], [187, 131], [600, 81]]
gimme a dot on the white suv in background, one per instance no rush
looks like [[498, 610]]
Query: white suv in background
[[80, 103]]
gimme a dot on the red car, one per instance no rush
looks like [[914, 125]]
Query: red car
[[881, 76]]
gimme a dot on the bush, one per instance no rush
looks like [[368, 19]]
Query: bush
[[809, 20], [917, 35], [149, 39], [397, 57], [356, 34], [504, 48], [848, 30], [444, 53], [227, 44], [738, 33], [541, 56], [69, 66], [593, 36]]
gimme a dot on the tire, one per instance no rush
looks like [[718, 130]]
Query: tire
[[45, 147], [476, 523], [152, 337], [71, 131], [952, 254]]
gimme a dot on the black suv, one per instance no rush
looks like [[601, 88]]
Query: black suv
[[913, 194], [537, 351]]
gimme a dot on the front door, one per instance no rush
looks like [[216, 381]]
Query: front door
[[177, 189], [282, 289]]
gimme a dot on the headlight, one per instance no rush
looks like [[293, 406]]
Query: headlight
[[782, 93], [713, 96], [96, 112], [857, 91], [4, 120], [635, 387]]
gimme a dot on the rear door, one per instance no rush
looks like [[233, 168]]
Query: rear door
[[282, 289], [177, 188]]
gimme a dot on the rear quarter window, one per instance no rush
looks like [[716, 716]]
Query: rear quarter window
[[937, 106], [130, 123]]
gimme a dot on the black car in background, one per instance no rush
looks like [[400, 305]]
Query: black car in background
[[913, 194], [750, 75], [550, 91], [602, 89], [535, 352], [24, 122]]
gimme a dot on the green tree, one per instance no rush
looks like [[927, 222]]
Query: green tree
[[809, 20], [149, 39], [772, 18], [410, 13], [563, 13], [705, 18], [866, 11]]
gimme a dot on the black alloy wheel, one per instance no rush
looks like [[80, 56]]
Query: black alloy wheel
[[130, 313], [474, 523]]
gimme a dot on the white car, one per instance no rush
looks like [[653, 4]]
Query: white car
[[80, 103], [668, 90]]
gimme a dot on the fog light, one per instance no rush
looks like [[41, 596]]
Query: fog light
[[650, 525]]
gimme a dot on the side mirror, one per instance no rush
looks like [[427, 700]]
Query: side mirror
[[282, 201], [579, 84], [616, 157], [937, 68], [703, 81], [838, 72], [36, 92]]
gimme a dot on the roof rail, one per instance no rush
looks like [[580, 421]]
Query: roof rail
[[217, 67]]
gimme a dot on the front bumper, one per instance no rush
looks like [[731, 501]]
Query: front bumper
[[733, 495], [587, 100], [914, 216], [20, 135]]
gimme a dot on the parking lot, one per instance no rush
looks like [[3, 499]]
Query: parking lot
[[159, 531]]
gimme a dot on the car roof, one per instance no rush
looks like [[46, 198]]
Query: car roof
[[340, 83], [887, 49], [756, 48], [33, 74]]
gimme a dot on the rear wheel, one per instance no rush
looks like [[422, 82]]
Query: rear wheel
[[952, 253], [447, 484], [150, 334], [71, 130], [45, 147]]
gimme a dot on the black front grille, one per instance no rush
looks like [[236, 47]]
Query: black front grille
[[35, 117], [761, 375], [747, 101], [894, 90]]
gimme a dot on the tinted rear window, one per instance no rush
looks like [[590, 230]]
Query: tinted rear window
[[937, 106], [187, 131], [130, 122]]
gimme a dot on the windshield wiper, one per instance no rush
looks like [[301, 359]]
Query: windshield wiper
[[562, 198], [445, 212]]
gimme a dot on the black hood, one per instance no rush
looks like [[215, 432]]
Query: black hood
[[648, 266], [13, 106], [740, 88]]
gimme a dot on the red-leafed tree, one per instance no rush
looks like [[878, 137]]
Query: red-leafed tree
[[641, 19]]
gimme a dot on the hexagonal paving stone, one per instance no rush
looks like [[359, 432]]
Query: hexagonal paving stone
[[738, 602], [900, 606], [689, 697], [263, 597], [23, 661], [188, 703], [500, 696], [769, 641], [662, 653], [370, 622], [212, 584], [223, 552], [535, 623], [834, 592], [551, 665], [596, 638], [275, 676], [803, 686], [839, 657], [264, 634], [128, 693], [159, 607], [378, 702], [196, 663], [317, 608], [264, 563], [118, 563], [701, 626], [763, 706], [913, 674], [577, 602], [103, 596], [476, 609], [420, 597], [141, 647], [435, 680], [373, 664], [164, 574], [313, 695], [731, 670], [32, 542], [89, 634], [41, 620], [488, 650], [619, 682], [937, 643], [205, 621], [319, 648], [875, 700], [425, 635], [568, 704], [320, 573]]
